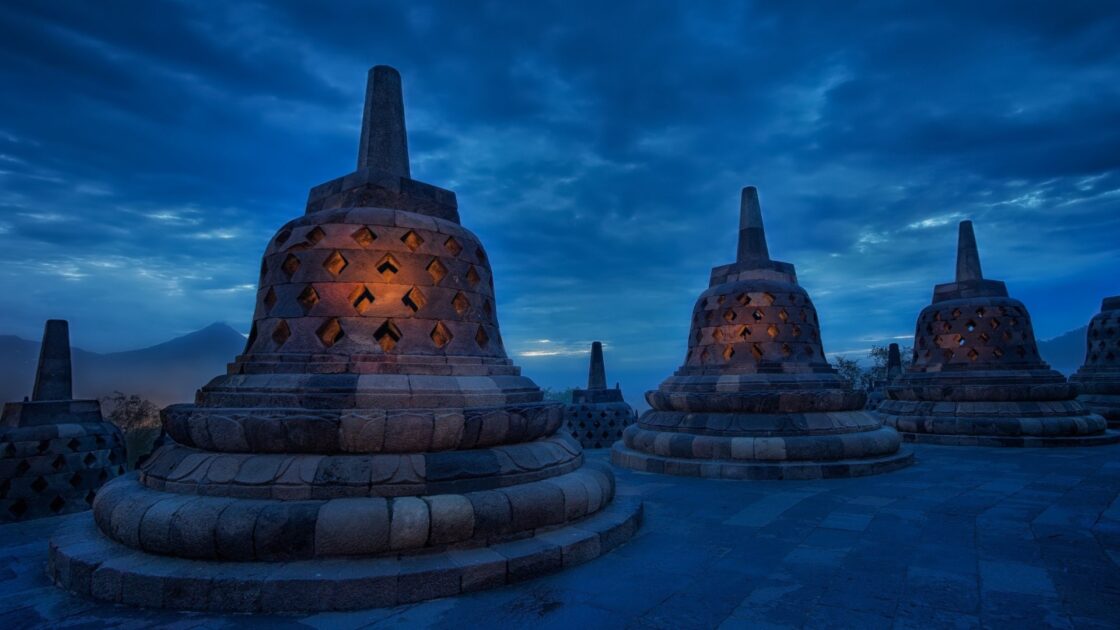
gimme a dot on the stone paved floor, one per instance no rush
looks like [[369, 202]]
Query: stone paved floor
[[967, 537]]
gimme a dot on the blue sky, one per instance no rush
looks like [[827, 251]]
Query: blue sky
[[148, 151]]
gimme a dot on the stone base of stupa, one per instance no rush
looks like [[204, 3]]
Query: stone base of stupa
[[1100, 396], [761, 446], [1021, 423], [53, 469], [85, 562]]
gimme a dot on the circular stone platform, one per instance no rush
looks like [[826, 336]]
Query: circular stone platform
[[88, 564]]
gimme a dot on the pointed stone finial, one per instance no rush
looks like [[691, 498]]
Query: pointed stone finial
[[894, 362], [52, 380], [752, 236], [968, 257], [597, 373], [384, 143]]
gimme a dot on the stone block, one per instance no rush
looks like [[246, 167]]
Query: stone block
[[356, 526]]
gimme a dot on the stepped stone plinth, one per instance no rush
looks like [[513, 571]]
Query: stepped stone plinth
[[976, 377], [55, 452], [1098, 380], [598, 414], [756, 398], [373, 445]]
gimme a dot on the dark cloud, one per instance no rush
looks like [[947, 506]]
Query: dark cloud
[[148, 150]]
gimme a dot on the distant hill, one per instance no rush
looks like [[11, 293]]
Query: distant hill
[[1065, 353], [165, 373]]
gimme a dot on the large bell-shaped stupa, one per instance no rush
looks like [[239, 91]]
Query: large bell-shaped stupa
[[976, 377], [374, 445], [1098, 380], [756, 398]]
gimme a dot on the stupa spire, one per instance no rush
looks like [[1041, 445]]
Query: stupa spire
[[53, 378], [894, 361], [384, 143], [968, 256], [752, 235], [597, 373]]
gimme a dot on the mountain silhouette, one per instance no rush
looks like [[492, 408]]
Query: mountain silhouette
[[165, 373], [1066, 352]]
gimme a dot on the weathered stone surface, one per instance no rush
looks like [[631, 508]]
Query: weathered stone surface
[[1098, 380], [976, 378], [756, 398], [374, 444]]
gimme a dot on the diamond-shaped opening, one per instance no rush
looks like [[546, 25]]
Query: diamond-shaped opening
[[481, 338], [973, 354], [335, 263], [980, 312], [436, 270], [956, 313], [1021, 351], [315, 235], [994, 323], [89, 459], [721, 299], [796, 330], [756, 351], [488, 308], [90, 496], [361, 299], [414, 299], [39, 484], [264, 267], [387, 335], [728, 352], [19, 508], [76, 480], [946, 354], [744, 332], [772, 330], [1007, 335], [290, 265], [472, 276], [768, 298], [388, 266], [269, 300], [960, 340], [481, 255], [281, 332], [440, 335], [73, 444], [308, 298], [22, 466], [460, 302], [112, 457], [252, 337], [743, 299], [808, 351], [985, 337], [970, 325], [704, 355], [757, 315], [452, 246], [717, 334], [998, 352], [786, 350], [364, 236], [729, 315], [330, 332], [44, 446], [783, 315], [412, 240], [57, 503], [283, 236], [58, 462]]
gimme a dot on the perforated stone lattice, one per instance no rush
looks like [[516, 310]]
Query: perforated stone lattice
[[1103, 340], [749, 327], [597, 426], [322, 274], [949, 333], [47, 476]]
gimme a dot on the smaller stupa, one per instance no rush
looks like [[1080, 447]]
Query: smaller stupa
[[977, 378], [597, 414], [878, 391], [55, 452], [756, 397], [1098, 380]]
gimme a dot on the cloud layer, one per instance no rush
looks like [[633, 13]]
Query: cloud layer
[[148, 151]]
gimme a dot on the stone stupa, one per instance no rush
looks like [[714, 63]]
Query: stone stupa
[[598, 414], [878, 392], [976, 377], [756, 398], [55, 452], [1098, 380], [374, 445]]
